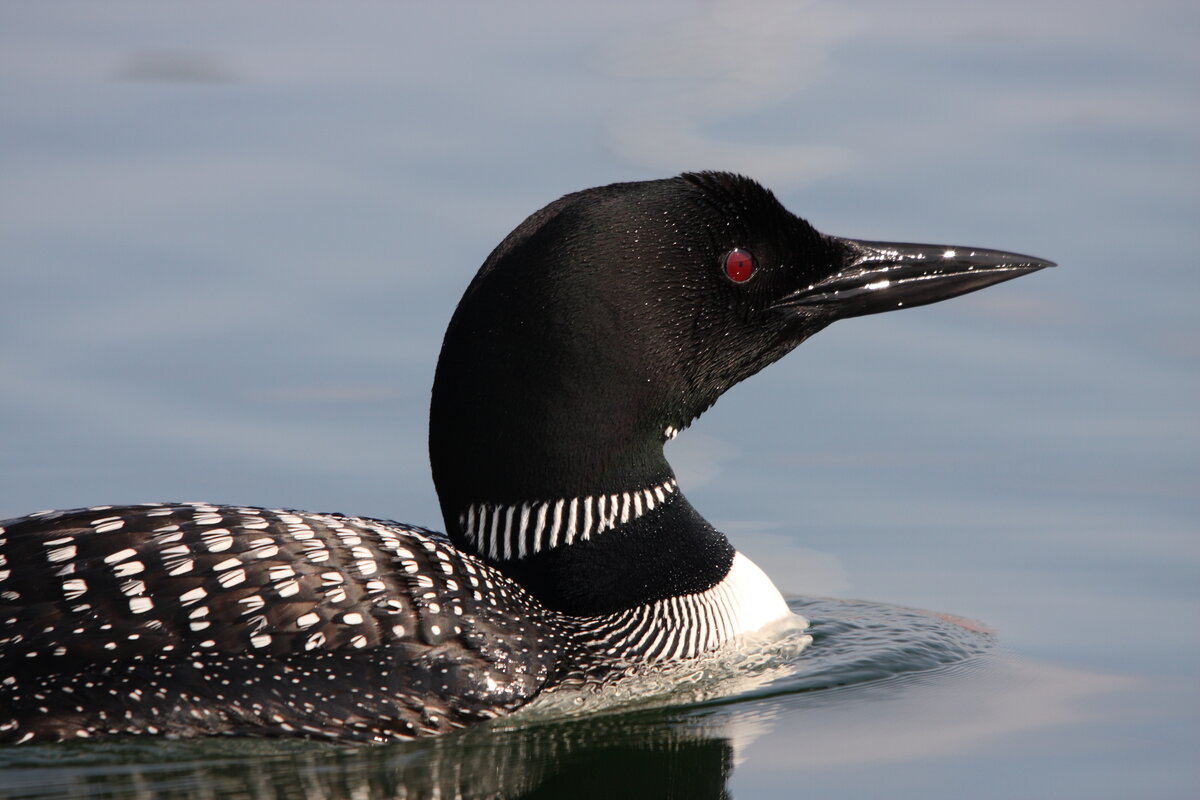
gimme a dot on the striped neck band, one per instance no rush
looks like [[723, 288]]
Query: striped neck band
[[505, 532]]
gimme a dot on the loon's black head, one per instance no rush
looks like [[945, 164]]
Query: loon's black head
[[616, 315]]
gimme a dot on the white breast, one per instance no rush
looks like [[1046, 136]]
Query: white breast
[[753, 598], [690, 625]]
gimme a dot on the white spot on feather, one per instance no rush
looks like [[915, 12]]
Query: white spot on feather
[[140, 605], [62, 553], [193, 596]]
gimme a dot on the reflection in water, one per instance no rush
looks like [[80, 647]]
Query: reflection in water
[[658, 748], [633, 755]]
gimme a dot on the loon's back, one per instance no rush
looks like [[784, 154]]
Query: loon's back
[[198, 619]]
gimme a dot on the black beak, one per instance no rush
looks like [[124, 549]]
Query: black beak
[[883, 276]]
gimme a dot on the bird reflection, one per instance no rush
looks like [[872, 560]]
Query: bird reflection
[[648, 754]]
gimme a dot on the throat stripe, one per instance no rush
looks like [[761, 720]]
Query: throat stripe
[[587, 520], [571, 524], [508, 530], [524, 526], [558, 507], [541, 526], [493, 545], [518, 531]]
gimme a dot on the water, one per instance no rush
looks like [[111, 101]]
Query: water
[[232, 237], [677, 735]]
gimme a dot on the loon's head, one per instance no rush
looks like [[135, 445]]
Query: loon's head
[[615, 316]]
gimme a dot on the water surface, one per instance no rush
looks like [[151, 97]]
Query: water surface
[[232, 236]]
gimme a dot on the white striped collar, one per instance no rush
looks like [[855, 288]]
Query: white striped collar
[[505, 532]]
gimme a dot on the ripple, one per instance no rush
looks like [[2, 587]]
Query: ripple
[[855, 642], [847, 642]]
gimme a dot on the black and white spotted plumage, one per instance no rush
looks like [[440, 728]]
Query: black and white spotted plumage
[[195, 618]]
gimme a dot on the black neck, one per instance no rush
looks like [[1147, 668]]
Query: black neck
[[500, 471], [507, 495], [511, 430], [549, 388]]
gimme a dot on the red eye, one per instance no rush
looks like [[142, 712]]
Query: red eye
[[739, 265]]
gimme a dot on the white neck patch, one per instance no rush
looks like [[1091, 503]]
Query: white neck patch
[[516, 531]]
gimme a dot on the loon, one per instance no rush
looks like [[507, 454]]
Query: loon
[[595, 332]]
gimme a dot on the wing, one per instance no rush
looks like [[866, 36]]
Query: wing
[[191, 619]]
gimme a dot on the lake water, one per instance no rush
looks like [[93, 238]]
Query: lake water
[[233, 234]]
